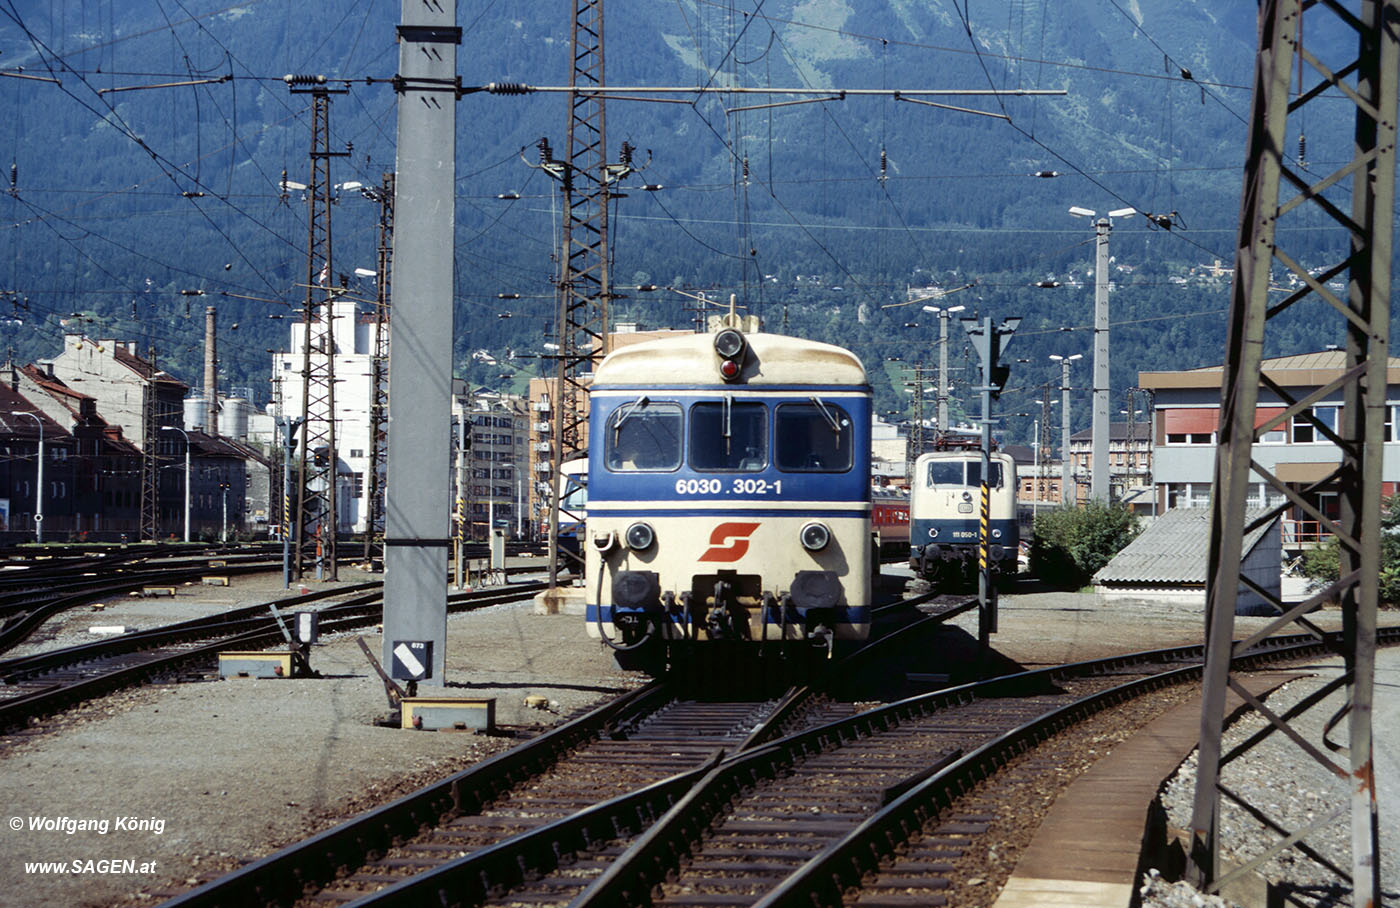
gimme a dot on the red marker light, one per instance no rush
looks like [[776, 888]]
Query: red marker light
[[729, 370]]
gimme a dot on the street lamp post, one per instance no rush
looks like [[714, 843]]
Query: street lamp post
[[187, 474], [38, 480], [1067, 490], [1098, 469]]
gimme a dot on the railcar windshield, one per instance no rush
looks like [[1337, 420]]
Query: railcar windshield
[[729, 436], [813, 437], [974, 473], [575, 496], [644, 436], [962, 473]]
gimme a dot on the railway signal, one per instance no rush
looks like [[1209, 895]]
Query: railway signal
[[990, 341]]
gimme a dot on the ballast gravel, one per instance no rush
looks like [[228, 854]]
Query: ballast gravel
[[1295, 791], [204, 776]]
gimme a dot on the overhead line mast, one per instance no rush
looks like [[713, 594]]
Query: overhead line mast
[[379, 370], [316, 518], [1368, 78], [584, 292]]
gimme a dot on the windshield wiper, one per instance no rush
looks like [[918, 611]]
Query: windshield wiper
[[624, 415], [826, 414], [725, 422]]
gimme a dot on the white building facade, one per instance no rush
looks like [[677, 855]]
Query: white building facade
[[353, 336]]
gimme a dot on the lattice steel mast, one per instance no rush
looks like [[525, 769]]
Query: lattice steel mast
[[1369, 81], [379, 369], [583, 290], [150, 462], [316, 520]]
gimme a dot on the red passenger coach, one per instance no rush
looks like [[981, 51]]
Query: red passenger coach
[[889, 519]]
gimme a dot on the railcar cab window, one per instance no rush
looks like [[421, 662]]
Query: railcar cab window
[[951, 473], [728, 437], [644, 436], [813, 437]]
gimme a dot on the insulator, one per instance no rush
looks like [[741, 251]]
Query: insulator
[[303, 79], [883, 163], [1302, 151], [746, 169], [507, 88], [627, 149], [14, 177], [546, 153]]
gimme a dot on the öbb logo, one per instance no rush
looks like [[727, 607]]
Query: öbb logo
[[729, 541]]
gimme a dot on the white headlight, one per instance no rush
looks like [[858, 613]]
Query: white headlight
[[815, 536], [640, 536]]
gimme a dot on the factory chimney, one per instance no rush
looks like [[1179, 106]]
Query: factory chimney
[[211, 372]]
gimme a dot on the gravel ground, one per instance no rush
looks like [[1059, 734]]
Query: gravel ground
[[220, 772], [1296, 791]]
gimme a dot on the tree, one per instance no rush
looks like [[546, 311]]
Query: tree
[[1069, 544], [1323, 563]]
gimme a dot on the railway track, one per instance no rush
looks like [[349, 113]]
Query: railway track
[[30, 599], [45, 683], [638, 743], [651, 800], [33, 591]]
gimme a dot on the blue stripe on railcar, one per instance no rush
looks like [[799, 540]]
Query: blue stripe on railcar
[[963, 532]]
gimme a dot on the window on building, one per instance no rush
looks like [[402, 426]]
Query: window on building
[[357, 452], [1190, 438], [1305, 431], [357, 483], [1190, 494]]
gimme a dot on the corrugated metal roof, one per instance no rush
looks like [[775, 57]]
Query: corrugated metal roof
[[1172, 549]]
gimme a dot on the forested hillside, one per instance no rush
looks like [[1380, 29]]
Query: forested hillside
[[149, 139]]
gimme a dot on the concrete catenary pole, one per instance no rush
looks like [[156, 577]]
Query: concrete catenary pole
[[1068, 493], [943, 371], [417, 519], [1098, 468]]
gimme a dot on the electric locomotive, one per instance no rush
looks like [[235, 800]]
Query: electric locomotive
[[945, 516], [728, 492]]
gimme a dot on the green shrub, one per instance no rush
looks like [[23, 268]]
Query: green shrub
[[1069, 544], [1323, 563]]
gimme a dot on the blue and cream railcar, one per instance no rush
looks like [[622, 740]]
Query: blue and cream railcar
[[729, 492], [945, 515]]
